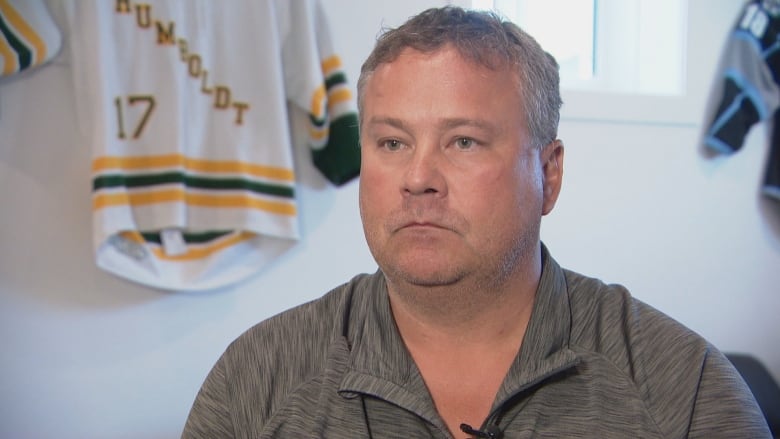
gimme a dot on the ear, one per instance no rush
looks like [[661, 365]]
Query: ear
[[552, 171]]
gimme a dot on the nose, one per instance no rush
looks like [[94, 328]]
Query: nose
[[425, 172]]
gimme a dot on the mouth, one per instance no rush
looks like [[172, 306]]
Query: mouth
[[422, 225], [424, 220]]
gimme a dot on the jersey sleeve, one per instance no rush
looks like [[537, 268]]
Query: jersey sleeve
[[315, 81], [747, 80], [29, 36]]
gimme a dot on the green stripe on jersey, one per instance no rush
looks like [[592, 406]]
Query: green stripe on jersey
[[151, 180], [189, 237], [24, 53], [335, 79], [339, 160]]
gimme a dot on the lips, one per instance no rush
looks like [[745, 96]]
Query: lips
[[422, 224], [418, 219]]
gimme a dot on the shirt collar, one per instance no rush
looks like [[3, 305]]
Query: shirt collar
[[380, 364], [545, 348]]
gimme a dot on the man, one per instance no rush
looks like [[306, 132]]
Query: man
[[469, 328]]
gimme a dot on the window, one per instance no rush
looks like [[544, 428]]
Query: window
[[622, 46], [570, 40], [627, 60]]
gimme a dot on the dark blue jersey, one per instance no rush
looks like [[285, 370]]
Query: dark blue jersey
[[749, 77]]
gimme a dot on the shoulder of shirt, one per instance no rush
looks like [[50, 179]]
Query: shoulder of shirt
[[604, 312], [619, 335], [318, 321], [281, 357]]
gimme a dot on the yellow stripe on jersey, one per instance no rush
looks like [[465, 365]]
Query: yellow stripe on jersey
[[100, 201], [139, 163], [24, 30], [198, 252], [338, 95], [331, 64], [318, 135], [317, 109], [10, 63]]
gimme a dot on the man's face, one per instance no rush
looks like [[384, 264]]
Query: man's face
[[450, 188]]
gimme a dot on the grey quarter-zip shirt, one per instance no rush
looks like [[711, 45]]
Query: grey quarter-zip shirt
[[595, 363]]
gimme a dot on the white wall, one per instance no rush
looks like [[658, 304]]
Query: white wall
[[87, 355]]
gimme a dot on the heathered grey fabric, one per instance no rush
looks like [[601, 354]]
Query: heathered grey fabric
[[594, 363]]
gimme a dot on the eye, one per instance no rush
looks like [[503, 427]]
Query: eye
[[391, 144], [465, 143]]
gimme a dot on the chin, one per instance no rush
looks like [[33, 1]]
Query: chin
[[423, 275]]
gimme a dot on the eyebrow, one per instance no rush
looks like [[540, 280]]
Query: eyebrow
[[476, 123], [392, 121], [446, 124]]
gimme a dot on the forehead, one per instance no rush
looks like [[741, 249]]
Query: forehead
[[443, 79], [448, 54]]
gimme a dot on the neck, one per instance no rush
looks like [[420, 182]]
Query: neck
[[467, 314]]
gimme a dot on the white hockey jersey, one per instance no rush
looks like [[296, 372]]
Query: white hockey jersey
[[186, 106]]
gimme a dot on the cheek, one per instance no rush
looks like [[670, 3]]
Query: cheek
[[528, 178], [509, 192], [373, 195]]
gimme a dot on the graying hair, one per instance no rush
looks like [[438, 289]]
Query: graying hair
[[488, 40]]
